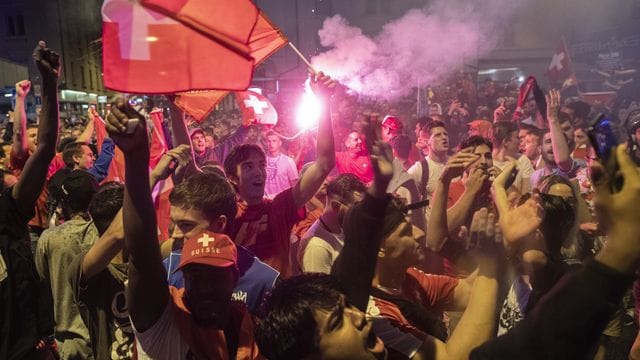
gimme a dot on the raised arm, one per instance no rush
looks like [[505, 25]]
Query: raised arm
[[323, 87], [87, 133], [355, 266], [20, 142], [105, 249], [438, 227], [460, 212], [570, 318], [33, 177], [561, 153], [100, 168], [180, 134], [147, 292]]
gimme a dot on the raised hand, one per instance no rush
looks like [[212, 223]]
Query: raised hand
[[380, 152], [458, 163], [499, 113], [518, 223], [618, 212], [322, 85], [505, 178], [175, 159], [48, 61], [22, 88], [553, 104], [127, 128]]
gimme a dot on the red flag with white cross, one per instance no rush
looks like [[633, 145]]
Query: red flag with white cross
[[256, 109], [265, 39], [560, 67], [149, 52]]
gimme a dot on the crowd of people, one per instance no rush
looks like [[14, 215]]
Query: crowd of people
[[486, 231]]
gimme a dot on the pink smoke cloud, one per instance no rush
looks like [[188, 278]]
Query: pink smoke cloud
[[418, 49]]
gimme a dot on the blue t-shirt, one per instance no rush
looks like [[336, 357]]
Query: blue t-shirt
[[256, 277]]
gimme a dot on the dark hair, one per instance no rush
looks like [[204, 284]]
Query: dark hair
[[207, 192], [502, 131], [580, 109], [343, 186], [393, 216], [71, 150], [213, 167], [559, 218], [474, 142], [424, 120], [432, 125], [288, 329], [239, 154], [401, 144], [105, 205], [64, 142]]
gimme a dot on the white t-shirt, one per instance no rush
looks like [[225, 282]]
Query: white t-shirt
[[282, 173], [435, 171], [525, 170], [163, 339], [319, 249]]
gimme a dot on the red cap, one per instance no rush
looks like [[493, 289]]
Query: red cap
[[392, 122], [210, 249]]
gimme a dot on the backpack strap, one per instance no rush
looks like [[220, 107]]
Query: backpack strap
[[424, 180]]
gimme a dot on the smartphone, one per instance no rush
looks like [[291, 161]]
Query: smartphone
[[132, 124]]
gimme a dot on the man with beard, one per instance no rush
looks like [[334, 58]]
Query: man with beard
[[199, 321], [355, 159]]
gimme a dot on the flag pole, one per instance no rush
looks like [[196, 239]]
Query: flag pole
[[295, 49]]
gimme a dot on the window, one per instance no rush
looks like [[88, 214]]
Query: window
[[11, 28], [20, 25], [83, 77], [15, 26]]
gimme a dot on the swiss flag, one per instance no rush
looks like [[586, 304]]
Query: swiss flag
[[560, 67], [256, 108], [265, 39], [228, 22], [147, 52]]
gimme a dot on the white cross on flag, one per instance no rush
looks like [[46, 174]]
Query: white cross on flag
[[149, 52], [256, 109], [560, 66]]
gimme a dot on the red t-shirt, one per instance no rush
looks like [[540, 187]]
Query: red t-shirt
[[359, 166], [434, 292], [265, 229], [40, 217]]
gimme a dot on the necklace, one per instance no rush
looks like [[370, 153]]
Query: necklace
[[274, 162]]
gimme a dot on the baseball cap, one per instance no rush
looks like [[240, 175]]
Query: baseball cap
[[208, 248], [392, 122], [196, 130], [481, 124], [79, 186]]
